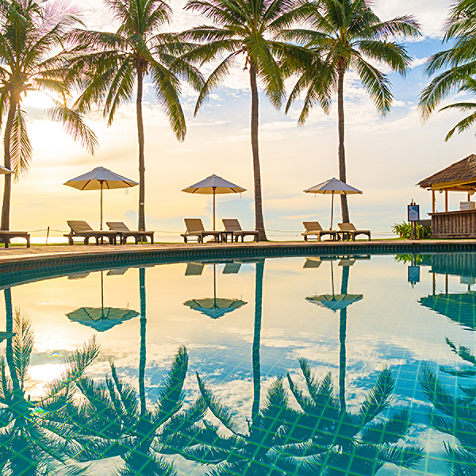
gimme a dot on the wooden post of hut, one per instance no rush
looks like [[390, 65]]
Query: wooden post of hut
[[458, 177]]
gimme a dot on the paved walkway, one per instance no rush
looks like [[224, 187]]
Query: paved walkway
[[41, 252]]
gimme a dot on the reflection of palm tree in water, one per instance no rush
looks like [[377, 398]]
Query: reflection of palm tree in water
[[455, 414], [37, 435], [256, 451], [126, 425]]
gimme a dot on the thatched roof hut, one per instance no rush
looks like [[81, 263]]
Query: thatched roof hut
[[460, 176]]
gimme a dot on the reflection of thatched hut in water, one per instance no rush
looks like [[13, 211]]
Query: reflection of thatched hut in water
[[460, 308]]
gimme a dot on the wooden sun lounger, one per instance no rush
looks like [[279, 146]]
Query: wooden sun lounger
[[233, 227], [314, 228], [80, 229], [195, 229], [124, 232], [6, 236], [350, 232]]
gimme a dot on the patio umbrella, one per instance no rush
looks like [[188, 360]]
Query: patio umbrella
[[101, 318], [214, 185], [332, 187], [214, 307], [100, 178]]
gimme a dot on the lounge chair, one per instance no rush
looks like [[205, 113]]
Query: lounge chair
[[313, 228], [6, 236], [350, 232], [233, 228], [80, 229], [195, 229], [124, 232]]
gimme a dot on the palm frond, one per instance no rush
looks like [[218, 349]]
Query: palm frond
[[74, 124]]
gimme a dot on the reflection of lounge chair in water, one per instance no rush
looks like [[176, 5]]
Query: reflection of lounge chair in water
[[78, 275], [194, 269], [232, 268], [117, 272], [312, 263]]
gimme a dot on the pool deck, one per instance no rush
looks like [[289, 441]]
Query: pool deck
[[17, 254]]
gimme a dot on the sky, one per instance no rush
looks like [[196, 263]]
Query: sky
[[386, 156]]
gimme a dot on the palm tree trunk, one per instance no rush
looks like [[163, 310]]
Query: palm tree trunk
[[143, 341], [259, 221], [342, 337], [141, 138], [257, 339], [342, 168], [8, 163]]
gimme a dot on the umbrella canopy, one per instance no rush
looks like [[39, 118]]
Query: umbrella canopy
[[214, 185], [4, 171], [101, 319], [214, 307], [335, 302], [332, 187], [100, 178], [460, 308]]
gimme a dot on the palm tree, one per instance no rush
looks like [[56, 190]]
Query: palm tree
[[116, 64], [32, 58], [246, 30], [37, 436], [456, 66], [347, 34], [454, 415], [339, 441]]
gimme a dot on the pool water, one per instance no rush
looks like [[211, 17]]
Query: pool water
[[321, 365]]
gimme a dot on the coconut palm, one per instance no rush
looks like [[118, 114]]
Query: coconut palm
[[118, 64], [341, 441], [347, 35], [455, 414], [456, 67], [32, 58], [246, 30], [36, 435]]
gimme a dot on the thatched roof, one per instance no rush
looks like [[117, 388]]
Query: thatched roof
[[460, 175]]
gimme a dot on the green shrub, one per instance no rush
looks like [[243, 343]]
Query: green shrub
[[404, 230]]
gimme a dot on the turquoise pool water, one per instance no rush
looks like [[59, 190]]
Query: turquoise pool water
[[321, 365]]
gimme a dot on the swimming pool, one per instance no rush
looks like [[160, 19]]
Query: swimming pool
[[303, 365]]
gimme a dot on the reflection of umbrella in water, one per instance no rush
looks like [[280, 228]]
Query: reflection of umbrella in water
[[339, 302], [460, 308], [214, 307], [101, 318]]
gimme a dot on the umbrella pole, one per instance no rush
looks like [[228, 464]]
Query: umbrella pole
[[332, 278], [214, 203], [214, 285], [101, 207], [332, 210], [102, 294]]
